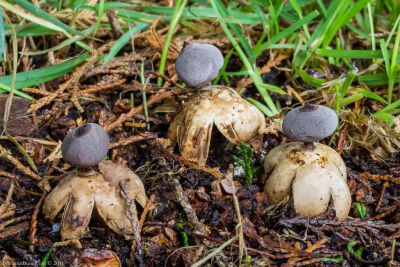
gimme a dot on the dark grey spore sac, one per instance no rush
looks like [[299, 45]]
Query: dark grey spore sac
[[198, 64], [85, 146], [310, 123]]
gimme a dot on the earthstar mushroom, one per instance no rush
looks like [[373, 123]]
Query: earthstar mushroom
[[84, 189], [311, 172], [238, 120]]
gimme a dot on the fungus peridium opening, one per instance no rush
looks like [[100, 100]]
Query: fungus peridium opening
[[84, 129], [308, 108]]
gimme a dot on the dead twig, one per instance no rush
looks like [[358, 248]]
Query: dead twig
[[131, 213], [128, 116], [184, 162], [146, 209], [114, 23], [378, 177], [133, 139], [19, 165], [73, 81], [15, 230], [4, 207], [33, 228]]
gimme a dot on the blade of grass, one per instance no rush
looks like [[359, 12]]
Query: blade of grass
[[286, 32], [100, 12], [261, 107], [39, 20], [44, 15], [2, 37], [22, 151], [360, 54], [297, 8], [371, 25], [117, 46], [392, 70], [376, 79], [253, 73], [42, 75], [179, 7], [346, 84], [13, 79], [237, 31], [5, 88], [65, 43], [343, 19]]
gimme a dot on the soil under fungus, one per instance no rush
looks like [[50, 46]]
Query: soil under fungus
[[340, 204]]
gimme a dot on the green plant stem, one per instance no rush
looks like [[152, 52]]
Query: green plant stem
[[179, 7], [14, 74], [392, 74], [253, 72]]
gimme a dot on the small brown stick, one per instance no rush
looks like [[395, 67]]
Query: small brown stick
[[184, 162], [128, 116], [213, 239], [6, 204], [131, 213], [13, 220], [378, 177], [33, 228], [114, 23], [74, 242], [74, 99], [342, 137], [14, 230], [133, 139], [35, 140], [291, 91], [8, 175], [164, 77], [36, 91], [388, 211], [242, 245], [7, 214], [384, 186], [74, 79], [146, 209], [19, 165], [190, 213], [105, 86]]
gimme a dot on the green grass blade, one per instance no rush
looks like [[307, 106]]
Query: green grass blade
[[100, 12], [42, 75], [376, 79], [46, 257], [385, 55], [286, 32], [65, 43], [261, 107], [7, 89], [2, 37], [331, 14], [32, 18], [346, 84], [316, 82], [372, 95], [123, 40], [179, 7], [44, 15], [253, 72], [343, 20], [360, 54]]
